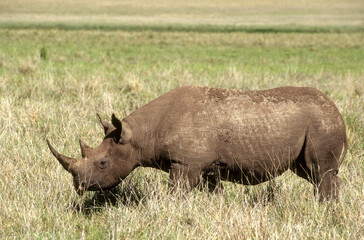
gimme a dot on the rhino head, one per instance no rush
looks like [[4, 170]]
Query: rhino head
[[103, 167]]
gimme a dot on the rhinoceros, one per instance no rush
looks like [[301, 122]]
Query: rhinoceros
[[204, 135]]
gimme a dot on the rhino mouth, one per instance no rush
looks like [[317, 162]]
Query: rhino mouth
[[94, 187]]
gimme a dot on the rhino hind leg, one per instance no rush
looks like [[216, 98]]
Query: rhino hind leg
[[326, 158], [318, 164], [328, 187]]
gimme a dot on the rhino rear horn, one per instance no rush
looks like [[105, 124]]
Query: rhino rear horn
[[85, 149], [66, 162]]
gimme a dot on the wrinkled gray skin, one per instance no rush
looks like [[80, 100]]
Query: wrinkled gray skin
[[208, 134]]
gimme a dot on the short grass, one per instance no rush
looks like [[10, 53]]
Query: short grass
[[53, 82]]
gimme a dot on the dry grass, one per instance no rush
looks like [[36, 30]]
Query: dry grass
[[142, 12]]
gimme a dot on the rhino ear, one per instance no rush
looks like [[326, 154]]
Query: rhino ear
[[121, 134], [116, 134], [108, 128]]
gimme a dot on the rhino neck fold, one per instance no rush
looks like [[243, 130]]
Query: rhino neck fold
[[142, 141]]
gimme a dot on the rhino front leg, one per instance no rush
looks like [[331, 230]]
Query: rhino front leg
[[183, 177]]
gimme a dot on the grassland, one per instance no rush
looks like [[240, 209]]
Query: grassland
[[53, 82], [57, 70]]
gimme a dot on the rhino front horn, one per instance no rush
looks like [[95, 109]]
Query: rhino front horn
[[66, 162]]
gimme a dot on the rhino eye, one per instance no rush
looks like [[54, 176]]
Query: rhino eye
[[102, 164]]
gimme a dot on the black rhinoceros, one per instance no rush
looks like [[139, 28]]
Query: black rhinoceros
[[209, 134]]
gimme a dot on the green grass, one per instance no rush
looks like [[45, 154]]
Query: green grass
[[53, 82], [201, 28]]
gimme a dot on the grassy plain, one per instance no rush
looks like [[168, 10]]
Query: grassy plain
[[54, 80]]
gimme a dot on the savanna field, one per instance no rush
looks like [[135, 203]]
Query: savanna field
[[58, 69]]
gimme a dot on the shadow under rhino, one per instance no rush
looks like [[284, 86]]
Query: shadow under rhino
[[126, 195]]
